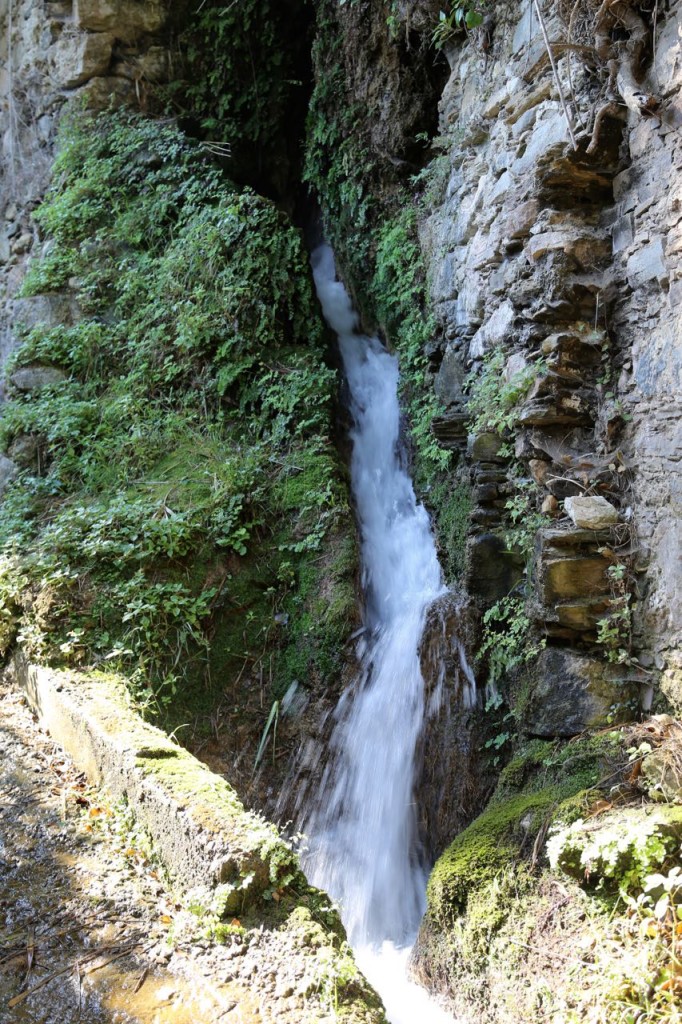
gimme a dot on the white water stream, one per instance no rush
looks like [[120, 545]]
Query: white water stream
[[362, 832]]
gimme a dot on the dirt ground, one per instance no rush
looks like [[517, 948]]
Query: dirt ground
[[88, 931]]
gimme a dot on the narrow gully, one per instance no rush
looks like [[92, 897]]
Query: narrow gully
[[362, 830]]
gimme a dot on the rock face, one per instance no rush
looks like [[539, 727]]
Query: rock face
[[35, 378], [112, 50], [569, 255], [570, 693], [456, 776]]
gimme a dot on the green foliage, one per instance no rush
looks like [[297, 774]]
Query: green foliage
[[620, 854], [432, 180], [398, 290], [240, 79], [525, 519], [509, 640], [614, 631], [461, 16], [494, 398], [193, 429], [338, 164], [450, 504], [371, 220]]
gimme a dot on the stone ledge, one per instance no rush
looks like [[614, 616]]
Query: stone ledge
[[200, 829], [205, 838]]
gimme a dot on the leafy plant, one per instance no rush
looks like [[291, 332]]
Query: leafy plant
[[493, 398], [194, 425], [399, 292], [622, 854], [240, 80], [614, 630], [462, 16], [509, 640]]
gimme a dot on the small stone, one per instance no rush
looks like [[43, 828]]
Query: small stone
[[11, 212], [22, 244], [549, 505], [539, 470], [591, 513], [485, 447]]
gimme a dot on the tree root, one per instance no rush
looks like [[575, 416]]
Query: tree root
[[623, 58]]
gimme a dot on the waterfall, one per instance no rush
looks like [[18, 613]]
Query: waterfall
[[362, 826]]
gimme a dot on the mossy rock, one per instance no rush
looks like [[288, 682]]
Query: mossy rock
[[492, 842], [543, 782]]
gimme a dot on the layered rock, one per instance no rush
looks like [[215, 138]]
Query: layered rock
[[110, 51]]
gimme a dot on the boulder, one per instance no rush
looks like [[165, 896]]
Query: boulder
[[48, 310], [485, 447], [125, 18], [591, 513], [77, 57], [35, 378], [25, 450], [571, 692], [449, 382], [492, 570], [8, 471]]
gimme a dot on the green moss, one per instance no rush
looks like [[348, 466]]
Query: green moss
[[572, 766], [450, 504], [189, 779], [485, 848], [544, 781]]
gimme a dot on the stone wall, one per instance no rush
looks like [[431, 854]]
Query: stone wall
[[566, 256]]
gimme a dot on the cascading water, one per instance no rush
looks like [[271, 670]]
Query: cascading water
[[363, 843]]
